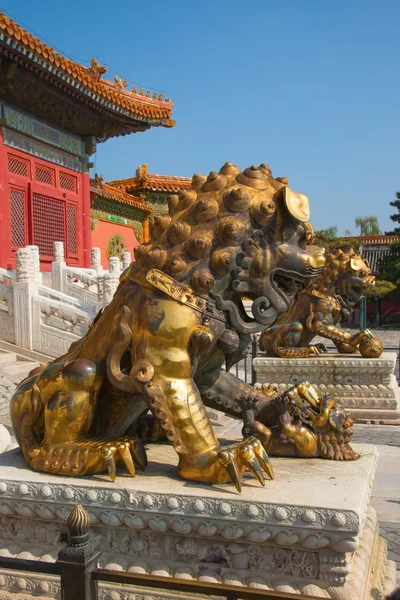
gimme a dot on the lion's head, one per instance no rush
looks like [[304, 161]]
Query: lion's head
[[333, 438], [237, 235], [347, 275]]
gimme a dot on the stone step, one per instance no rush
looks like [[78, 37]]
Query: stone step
[[7, 357], [15, 365], [18, 368]]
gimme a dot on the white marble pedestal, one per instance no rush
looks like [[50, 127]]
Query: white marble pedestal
[[309, 531], [367, 387]]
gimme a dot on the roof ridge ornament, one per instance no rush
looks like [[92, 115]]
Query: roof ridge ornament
[[121, 85], [96, 69], [142, 172]]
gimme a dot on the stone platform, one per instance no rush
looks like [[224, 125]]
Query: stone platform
[[367, 387], [309, 531]]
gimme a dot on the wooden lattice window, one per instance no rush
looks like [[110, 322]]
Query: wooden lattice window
[[48, 222], [45, 175], [71, 229], [18, 218], [17, 165], [68, 182]]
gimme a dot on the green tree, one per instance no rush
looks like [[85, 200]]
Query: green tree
[[325, 239], [396, 216], [330, 232], [368, 225], [390, 266], [380, 289]]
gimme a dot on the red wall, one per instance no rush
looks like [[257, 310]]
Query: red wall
[[105, 230], [41, 203]]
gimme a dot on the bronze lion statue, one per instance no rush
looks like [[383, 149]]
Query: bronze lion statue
[[175, 321], [321, 308]]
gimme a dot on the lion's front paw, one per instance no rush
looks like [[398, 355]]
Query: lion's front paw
[[85, 457], [228, 464]]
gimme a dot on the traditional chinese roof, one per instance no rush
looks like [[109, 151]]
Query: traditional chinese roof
[[375, 239], [144, 181], [104, 190], [133, 110], [375, 248]]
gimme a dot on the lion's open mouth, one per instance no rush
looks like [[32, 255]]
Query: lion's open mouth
[[287, 284]]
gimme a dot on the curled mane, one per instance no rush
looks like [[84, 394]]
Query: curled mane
[[339, 263], [333, 445], [210, 228]]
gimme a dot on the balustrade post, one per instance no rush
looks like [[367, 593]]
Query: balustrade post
[[36, 259], [78, 559], [126, 260], [24, 288], [95, 260], [59, 280], [111, 279]]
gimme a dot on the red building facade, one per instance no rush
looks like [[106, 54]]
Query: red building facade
[[44, 191], [53, 112]]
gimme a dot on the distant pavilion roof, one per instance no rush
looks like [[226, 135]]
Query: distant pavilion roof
[[108, 192], [375, 248], [374, 239], [145, 181], [137, 110]]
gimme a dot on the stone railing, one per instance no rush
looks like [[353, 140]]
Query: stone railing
[[48, 319], [6, 306], [93, 286]]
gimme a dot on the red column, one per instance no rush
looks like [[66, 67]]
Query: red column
[[146, 230], [86, 237], [5, 209]]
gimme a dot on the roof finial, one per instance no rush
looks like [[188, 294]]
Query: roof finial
[[142, 171], [98, 178], [121, 85], [96, 70]]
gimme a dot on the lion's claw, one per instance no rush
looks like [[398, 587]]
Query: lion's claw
[[228, 462], [89, 456], [321, 348], [108, 455], [126, 456], [248, 454], [127, 450]]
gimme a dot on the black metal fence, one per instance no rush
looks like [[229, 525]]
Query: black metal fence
[[244, 368], [80, 577]]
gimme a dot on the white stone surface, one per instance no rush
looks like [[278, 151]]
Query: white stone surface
[[367, 387], [307, 530], [5, 439]]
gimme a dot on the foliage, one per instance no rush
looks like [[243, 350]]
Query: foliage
[[396, 216], [381, 288], [330, 232], [390, 266], [334, 243], [368, 225]]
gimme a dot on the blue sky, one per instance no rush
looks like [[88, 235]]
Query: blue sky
[[309, 86]]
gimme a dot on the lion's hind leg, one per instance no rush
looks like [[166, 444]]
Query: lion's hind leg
[[68, 446]]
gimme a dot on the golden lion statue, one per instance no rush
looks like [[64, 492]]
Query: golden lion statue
[[176, 319], [319, 310]]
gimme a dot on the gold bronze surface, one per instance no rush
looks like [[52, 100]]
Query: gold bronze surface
[[175, 320], [319, 310]]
